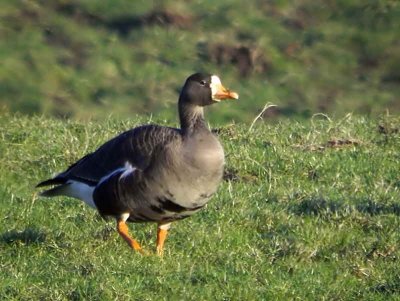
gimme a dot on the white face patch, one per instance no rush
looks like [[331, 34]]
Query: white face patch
[[215, 86]]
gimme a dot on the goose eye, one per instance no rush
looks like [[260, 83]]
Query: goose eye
[[203, 83]]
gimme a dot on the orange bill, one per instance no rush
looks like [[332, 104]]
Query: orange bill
[[224, 93], [219, 92]]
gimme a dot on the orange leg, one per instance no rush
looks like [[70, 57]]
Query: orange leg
[[122, 229], [162, 232]]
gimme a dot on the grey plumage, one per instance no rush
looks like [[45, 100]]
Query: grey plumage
[[153, 173]]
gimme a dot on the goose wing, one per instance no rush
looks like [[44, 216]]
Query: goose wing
[[135, 147]]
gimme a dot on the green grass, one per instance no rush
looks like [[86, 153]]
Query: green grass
[[309, 211], [319, 56]]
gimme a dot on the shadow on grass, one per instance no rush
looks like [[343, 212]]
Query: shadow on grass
[[315, 206], [374, 208], [322, 207], [27, 236], [388, 288]]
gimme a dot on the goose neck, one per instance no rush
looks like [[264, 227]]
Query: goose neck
[[191, 118]]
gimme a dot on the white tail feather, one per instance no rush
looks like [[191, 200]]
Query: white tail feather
[[80, 191]]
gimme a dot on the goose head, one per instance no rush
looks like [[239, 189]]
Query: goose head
[[202, 89]]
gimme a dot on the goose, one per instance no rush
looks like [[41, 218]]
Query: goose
[[153, 173]]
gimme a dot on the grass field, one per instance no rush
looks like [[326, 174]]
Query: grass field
[[308, 211], [85, 59]]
